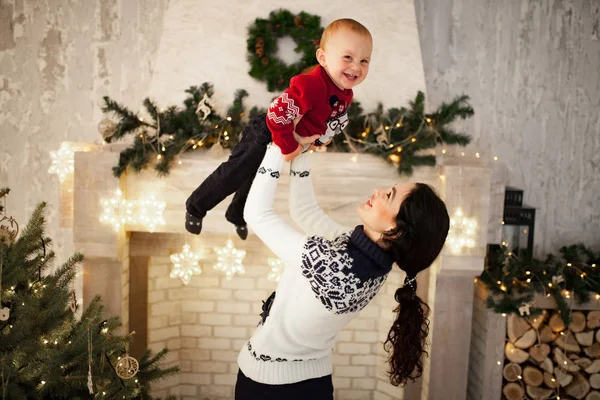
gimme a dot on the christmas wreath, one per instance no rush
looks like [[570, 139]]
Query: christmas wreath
[[305, 29]]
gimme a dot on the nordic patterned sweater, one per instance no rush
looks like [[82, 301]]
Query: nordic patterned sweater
[[321, 104], [329, 277]]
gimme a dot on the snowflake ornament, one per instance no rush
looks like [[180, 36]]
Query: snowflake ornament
[[229, 260], [117, 211], [150, 212], [63, 161], [185, 264], [462, 232], [276, 269]]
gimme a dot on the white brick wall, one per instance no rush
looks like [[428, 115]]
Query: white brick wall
[[207, 322]]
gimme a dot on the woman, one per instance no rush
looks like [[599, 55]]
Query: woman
[[331, 276]]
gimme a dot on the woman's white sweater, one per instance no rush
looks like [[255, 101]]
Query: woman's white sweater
[[330, 275]]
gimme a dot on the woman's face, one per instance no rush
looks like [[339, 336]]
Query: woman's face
[[378, 213]]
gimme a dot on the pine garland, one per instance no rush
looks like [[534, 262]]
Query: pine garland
[[513, 280], [397, 135]]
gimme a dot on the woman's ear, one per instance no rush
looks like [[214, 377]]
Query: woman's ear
[[321, 57]]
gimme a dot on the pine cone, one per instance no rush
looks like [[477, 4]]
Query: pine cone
[[298, 21]]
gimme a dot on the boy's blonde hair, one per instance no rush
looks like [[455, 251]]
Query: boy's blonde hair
[[341, 24]]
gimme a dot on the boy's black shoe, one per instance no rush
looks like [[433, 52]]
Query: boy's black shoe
[[242, 231], [193, 224]]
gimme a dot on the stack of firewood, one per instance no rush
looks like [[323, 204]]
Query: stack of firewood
[[546, 359]]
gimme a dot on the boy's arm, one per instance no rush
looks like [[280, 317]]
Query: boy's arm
[[304, 209], [286, 110]]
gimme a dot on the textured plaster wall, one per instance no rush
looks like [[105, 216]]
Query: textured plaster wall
[[532, 69], [58, 59]]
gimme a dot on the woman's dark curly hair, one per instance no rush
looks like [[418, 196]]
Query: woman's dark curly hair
[[421, 228]]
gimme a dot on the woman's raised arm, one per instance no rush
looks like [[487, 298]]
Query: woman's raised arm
[[304, 209], [259, 213]]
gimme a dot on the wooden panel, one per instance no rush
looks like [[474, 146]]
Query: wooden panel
[[103, 277], [138, 303], [452, 314]]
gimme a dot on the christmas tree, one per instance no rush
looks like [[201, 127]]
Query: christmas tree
[[45, 351]]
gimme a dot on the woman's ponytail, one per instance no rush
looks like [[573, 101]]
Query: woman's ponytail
[[406, 340]]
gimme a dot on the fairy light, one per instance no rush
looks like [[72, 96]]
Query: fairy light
[[503, 288], [229, 260], [495, 158], [462, 232], [185, 264], [276, 269], [149, 212], [504, 314], [158, 156], [228, 118], [117, 211], [498, 362], [477, 155], [63, 161], [528, 280], [413, 140], [399, 149], [597, 296], [394, 158], [569, 264], [443, 151]]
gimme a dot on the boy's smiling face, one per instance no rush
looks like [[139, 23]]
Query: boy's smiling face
[[346, 58]]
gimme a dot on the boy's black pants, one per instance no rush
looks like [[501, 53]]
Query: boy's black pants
[[234, 175]]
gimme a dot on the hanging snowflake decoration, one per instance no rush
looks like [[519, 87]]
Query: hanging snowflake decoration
[[117, 211], [276, 269], [63, 161], [229, 260], [149, 212], [462, 232], [185, 264]]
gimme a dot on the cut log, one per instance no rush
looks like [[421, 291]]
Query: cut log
[[512, 372], [532, 376], [579, 387], [538, 320], [550, 380], [594, 367], [516, 327], [539, 352], [547, 365], [577, 321], [567, 343], [539, 393], [593, 351], [583, 362], [595, 381], [593, 319], [527, 340], [562, 377], [593, 395], [585, 338], [513, 391], [563, 362], [546, 334], [556, 323], [515, 355], [598, 335]]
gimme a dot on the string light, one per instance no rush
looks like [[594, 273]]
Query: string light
[[462, 232], [149, 212], [117, 211], [63, 161], [229, 260], [185, 264], [276, 269]]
